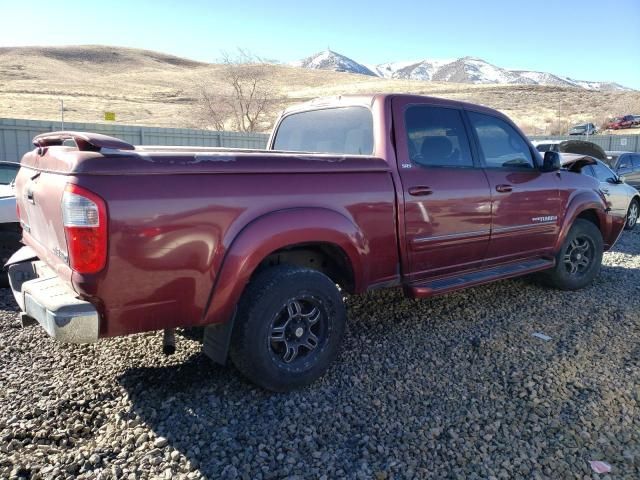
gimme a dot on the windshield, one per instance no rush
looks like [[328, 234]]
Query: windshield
[[579, 127], [611, 160], [345, 130]]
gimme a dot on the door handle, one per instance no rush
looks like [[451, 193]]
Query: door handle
[[420, 191], [503, 188]]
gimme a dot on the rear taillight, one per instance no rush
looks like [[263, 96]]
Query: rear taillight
[[84, 217]]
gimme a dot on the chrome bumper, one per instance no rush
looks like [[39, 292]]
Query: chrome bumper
[[42, 296]]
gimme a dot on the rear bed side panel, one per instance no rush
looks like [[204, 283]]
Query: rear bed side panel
[[168, 236], [277, 230]]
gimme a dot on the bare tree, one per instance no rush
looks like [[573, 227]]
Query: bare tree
[[243, 98]]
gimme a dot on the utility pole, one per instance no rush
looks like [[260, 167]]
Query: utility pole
[[62, 114]]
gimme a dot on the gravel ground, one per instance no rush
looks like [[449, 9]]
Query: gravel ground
[[453, 387]]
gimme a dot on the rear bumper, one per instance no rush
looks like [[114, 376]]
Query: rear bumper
[[56, 307]]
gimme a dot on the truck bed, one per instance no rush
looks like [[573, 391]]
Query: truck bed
[[171, 229]]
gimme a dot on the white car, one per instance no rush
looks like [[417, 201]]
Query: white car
[[10, 233], [622, 199], [581, 147], [8, 204]]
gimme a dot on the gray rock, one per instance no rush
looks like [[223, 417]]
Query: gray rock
[[413, 394], [160, 442]]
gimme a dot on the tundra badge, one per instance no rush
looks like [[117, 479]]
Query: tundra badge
[[60, 254], [548, 218]]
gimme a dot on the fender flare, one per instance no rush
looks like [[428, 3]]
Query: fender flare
[[273, 231], [581, 202]]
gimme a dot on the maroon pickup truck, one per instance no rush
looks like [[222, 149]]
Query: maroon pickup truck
[[258, 247]]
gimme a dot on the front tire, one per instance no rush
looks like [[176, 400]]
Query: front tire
[[289, 327], [632, 215], [579, 259]]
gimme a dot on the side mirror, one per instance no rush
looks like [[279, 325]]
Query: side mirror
[[551, 162], [622, 179]]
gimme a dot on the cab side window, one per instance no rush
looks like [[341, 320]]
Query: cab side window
[[501, 145], [436, 137]]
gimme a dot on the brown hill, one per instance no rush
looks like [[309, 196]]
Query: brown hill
[[151, 88]]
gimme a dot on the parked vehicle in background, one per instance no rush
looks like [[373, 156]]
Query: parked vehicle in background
[[617, 123], [622, 199], [9, 225], [626, 165], [636, 119], [364, 192], [583, 129], [581, 147]]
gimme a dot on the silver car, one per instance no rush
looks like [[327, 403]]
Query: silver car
[[622, 199]]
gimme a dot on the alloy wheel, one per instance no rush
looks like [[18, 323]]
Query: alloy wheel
[[632, 215], [298, 330], [579, 255]]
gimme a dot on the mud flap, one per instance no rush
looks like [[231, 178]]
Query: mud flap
[[216, 341]]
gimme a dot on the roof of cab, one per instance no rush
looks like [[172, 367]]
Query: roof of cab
[[368, 100]]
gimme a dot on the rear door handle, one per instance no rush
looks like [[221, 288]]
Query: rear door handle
[[504, 188], [420, 191]]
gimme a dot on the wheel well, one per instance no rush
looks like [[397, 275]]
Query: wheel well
[[324, 257], [591, 216]]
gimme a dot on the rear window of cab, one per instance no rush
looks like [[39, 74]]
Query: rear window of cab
[[343, 130]]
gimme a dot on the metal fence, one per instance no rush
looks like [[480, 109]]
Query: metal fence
[[16, 135], [627, 143]]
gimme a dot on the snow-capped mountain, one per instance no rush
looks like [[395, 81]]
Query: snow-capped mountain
[[329, 60], [461, 70], [542, 78]]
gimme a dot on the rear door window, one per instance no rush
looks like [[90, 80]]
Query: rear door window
[[502, 146], [437, 137], [345, 130]]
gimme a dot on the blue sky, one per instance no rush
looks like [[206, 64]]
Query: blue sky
[[583, 39]]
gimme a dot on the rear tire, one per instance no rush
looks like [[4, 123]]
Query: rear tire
[[632, 215], [289, 327], [579, 259]]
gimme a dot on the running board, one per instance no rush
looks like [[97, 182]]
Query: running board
[[477, 277]]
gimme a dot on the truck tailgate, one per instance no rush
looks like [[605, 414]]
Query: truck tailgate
[[38, 199]]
